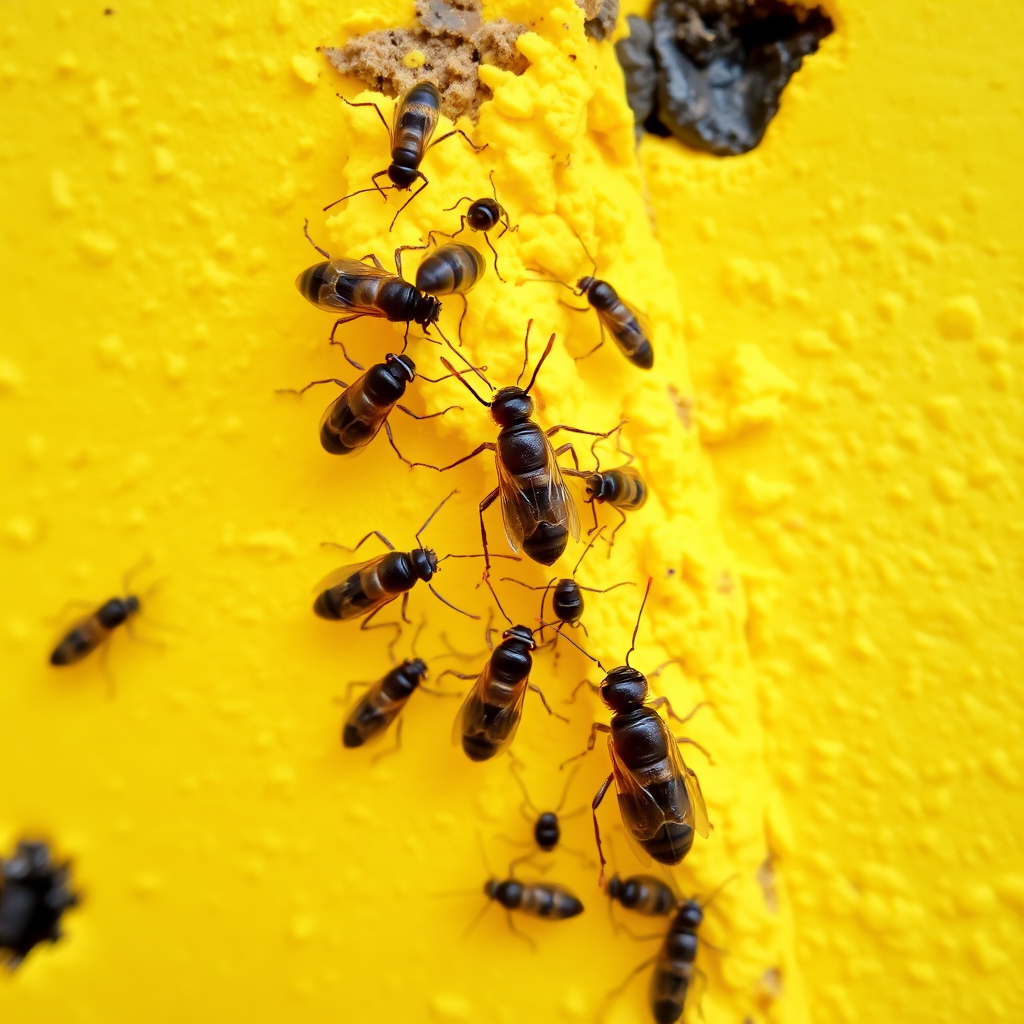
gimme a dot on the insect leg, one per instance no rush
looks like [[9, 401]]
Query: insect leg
[[547, 707], [351, 686], [465, 310], [694, 743], [522, 935], [462, 219], [615, 992], [458, 675], [594, 730], [406, 248], [490, 245], [387, 127], [551, 431], [105, 669], [312, 383], [373, 533], [348, 358], [577, 309], [487, 446], [572, 699], [405, 605], [343, 320], [365, 626], [663, 702], [458, 131], [611, 539], [398, 743], [67, 606], [410, 199], [567, 447], [597, 828], [529, 858], [484, 506], [391, 441]]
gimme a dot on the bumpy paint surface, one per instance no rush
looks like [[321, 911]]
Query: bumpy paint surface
[[832, 433]]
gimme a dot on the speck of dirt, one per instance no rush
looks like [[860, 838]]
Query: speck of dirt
[[719, 67], [454, 40]]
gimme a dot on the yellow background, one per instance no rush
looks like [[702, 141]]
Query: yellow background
[[832, 435]]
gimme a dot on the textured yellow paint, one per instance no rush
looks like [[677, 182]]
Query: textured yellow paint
[[236, 863]]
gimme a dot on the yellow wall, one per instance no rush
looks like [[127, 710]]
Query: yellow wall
[[831, 433]]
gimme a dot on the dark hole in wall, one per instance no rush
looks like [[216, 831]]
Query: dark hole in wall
[[712, 72]]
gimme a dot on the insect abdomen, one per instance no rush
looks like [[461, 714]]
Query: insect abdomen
[[550, 901], [670, 844], [80, 641], [452, 270]]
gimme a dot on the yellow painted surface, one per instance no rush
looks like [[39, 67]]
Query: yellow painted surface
[[832, 434]]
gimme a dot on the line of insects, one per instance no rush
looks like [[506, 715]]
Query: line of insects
[[659, 797]]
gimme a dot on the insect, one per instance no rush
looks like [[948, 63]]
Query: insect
[[415, 119], [451, 269], [643, 894], [659, 796], [547, 827], [353, 289], [567, 595], [538, 899], [489, 717], [34, 896], [355, 417], [484, 215], [88, 633], [537, 508], [627, 325], [622, 488], [363, 589]]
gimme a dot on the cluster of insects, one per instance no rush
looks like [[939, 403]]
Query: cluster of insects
[[659, 797]]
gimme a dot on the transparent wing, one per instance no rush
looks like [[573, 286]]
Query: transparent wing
[[503, 727], [472, 707], [347, 573], [697, 815], [355, 419], [543, 498], [345, 277], [641, 813], [419, 119]]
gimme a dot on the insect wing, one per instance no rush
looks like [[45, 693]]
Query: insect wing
[[501, 729], [641, 813], [350, 578], [345, 288], [471, 713], [696, 815], [373, 713], [414, 124], [629, 335], [354, 419], [542, 498]]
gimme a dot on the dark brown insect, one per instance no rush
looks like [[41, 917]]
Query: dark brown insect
[[356, 416], [538, 899], [537, 508], [410, 135], [643, 894], [489, 718], [361, 590], [353, 290], [90, 632], [659, 796]]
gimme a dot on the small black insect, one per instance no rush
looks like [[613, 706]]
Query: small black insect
[[489, 718], [89, 632], [538, 899], [355, 417], [537, 508], [484, 215], [34, 895], [567, 595], [361, 590], [415, 119], [622, 489], [353, 289]]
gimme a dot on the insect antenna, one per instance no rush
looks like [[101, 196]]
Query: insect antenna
[[419, 543], [546, 279], [134, 571], [453, 607], [475, 369], [448, 366], [447, 376], [536, 369], [714, 895], [586, 250], [526, 350], [305, 229], [516, 765], [585, 550], [569, 639], [565, 790], [636, 628]]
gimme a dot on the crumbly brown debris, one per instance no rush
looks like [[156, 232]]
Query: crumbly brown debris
[[455, 41]]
